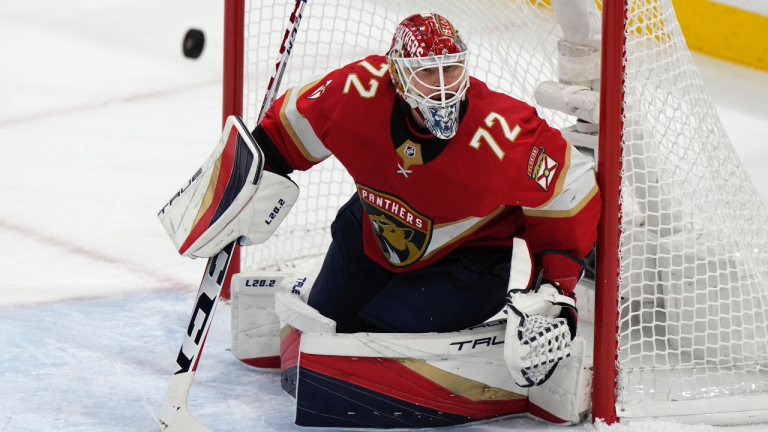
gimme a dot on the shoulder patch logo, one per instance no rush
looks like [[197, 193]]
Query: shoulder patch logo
[[541, 167], [403, 234], [317, 93]]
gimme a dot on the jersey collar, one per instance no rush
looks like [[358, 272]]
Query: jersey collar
[[427, 147]]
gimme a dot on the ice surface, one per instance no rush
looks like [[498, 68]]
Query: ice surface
[[755, 6], [101, 117], [103, 365]]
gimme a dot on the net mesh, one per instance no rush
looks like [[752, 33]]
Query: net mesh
[[693, 302], [693, 298]]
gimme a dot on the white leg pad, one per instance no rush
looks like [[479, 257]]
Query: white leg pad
[[566, 395], [255, 325], [255, 335], [303, 278], [291, 301], [294, 312]]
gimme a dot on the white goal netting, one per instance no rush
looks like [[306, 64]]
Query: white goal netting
[[693, 287]]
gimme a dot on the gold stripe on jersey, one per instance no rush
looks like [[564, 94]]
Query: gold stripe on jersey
[[299, 129], [450, 233], [456, 222], [564, 213], [304, 89], [579, 187], [292, 133]]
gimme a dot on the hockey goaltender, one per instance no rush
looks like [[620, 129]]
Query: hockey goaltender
[[467, 203]]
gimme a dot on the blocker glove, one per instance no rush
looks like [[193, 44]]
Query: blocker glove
[[230, 197], [542, 314]]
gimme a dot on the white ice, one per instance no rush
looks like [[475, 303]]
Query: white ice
[[100, 119], [755, 6]]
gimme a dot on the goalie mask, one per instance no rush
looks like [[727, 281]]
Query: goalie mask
[[428, 65]]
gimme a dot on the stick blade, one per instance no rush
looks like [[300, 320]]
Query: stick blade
[[181, 421]]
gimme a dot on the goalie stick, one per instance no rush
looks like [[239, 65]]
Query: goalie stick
[[173, 415]]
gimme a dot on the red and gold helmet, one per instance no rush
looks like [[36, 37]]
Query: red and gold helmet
[[428, 65]]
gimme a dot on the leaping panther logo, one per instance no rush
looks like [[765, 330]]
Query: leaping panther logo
[[397, 245], [403, 234]]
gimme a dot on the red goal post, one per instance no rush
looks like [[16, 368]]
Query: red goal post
[[232, 93], [607, 270], [680, 297]]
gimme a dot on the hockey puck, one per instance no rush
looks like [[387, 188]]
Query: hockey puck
[[194, 41]]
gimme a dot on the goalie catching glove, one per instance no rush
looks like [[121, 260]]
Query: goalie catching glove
[[230, 196], [542, 316]]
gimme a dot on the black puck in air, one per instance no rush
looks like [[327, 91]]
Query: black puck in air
[[194, 41]]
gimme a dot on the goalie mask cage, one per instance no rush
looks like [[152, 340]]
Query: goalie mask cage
[[681, 281]]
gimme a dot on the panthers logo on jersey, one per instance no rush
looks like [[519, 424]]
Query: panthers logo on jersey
[[403, 233]]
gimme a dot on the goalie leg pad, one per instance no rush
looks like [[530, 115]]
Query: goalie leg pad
[[256, 329], [565, 397], [388, 380], [289, 359], [255, 325], [228, 197], [385, 380], [296, 317]]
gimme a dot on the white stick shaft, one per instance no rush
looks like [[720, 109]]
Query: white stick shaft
[[282, 59], [174, 409]]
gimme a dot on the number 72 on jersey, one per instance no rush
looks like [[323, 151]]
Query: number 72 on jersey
[[482, 133]]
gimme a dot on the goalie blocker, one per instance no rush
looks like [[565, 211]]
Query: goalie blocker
[[230, 197]]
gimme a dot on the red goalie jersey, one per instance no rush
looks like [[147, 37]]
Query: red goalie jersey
[[505, 173]]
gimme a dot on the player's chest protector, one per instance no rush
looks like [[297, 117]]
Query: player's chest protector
[[417, 196]]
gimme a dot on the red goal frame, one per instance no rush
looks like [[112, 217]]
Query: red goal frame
[[605, 354], [232, 100]]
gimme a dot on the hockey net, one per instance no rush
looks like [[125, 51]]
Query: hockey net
[[693, 288]]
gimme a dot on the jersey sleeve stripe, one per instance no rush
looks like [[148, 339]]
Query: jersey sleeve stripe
[[471, 218], [298, 127], [574, 170], [579, 187], [308, 86], [564, 198], [447, 234]]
